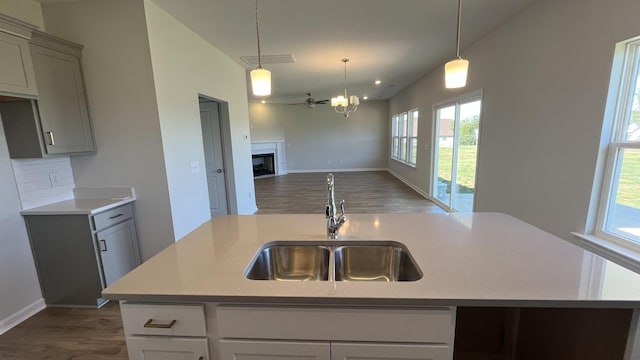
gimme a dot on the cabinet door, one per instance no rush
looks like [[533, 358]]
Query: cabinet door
[[62, 104], [117, 246], [271, 350], [167, 348], [16, 68], [353, 351]]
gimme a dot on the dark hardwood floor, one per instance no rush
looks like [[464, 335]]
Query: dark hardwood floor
[[67, 333], [82, 333], [367, 192]]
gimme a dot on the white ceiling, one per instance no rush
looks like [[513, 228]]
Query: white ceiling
[[396, 41]]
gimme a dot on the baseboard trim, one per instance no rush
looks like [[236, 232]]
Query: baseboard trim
[[409, 184], [13, 320], [335, 170]]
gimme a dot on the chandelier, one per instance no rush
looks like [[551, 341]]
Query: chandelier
[[344, 104]]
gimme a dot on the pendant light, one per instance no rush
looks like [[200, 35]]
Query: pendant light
[[455, 71], [260, 77]]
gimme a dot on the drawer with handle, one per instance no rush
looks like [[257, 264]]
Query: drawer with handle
[[168, 320], [112, 217]]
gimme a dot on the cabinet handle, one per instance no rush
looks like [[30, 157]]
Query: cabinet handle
[[52, 140], [104, 245], [115, 216], [150, 324]]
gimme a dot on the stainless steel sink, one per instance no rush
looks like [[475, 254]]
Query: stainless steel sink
[[388, 261], [290, 261]]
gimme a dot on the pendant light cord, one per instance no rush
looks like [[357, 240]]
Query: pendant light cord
[[258, 36], [457, 34], [345, 76]]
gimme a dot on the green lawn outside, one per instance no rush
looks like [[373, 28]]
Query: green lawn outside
[[466, 166], [629, 186]]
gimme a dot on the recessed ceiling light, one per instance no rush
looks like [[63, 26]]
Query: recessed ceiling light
[[264, 101], [365, 97], [378, 82]]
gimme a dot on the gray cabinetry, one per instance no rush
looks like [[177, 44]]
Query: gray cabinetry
[[16, 69], [79, 255], [57, 122]]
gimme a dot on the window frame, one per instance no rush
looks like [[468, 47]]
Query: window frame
[[402, 136], [626, 81]]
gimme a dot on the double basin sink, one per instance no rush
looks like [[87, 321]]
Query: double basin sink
[[388, 261]]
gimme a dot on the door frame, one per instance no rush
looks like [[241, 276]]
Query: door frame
[[479, 94], [227, 150]]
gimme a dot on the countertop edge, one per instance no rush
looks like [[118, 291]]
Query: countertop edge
[[92, 211]]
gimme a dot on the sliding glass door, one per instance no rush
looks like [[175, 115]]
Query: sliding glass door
[[457, 130]]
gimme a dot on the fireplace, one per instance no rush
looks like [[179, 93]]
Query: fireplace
[[263, 164]]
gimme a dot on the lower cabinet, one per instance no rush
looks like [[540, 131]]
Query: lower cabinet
[[162, 348], [324, 350], [165, 331], [269, 350]]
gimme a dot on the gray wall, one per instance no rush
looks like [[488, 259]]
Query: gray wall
[[545, 76], [123, 107], [19, 285], [319, 139]]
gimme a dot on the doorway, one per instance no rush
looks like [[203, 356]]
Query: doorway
[[214, 156], [457, 131]]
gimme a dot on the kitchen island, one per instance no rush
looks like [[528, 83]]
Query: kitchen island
[[484, 276]]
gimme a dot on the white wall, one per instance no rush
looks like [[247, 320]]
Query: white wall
[[122, 103], [26, 10], [319, 139], [184, 66], [267, 121], [545, 76], [19, 286]]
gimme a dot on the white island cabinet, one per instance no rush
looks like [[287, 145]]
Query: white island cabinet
[[491, 287]]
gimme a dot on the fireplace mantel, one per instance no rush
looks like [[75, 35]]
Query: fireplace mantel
[[272, 147]]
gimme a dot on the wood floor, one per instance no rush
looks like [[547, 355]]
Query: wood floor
[[81, 333], [368, 192], [67, 333]]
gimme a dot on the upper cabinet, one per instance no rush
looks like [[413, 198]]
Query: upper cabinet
[[49, 114], [62, 104], [16, 69]]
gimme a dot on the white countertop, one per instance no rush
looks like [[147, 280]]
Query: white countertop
[[466, 259], [78, 207]]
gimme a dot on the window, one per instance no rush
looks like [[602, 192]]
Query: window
[[404, 137], [619, 208]]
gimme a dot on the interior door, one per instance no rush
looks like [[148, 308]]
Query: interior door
[[457, 132], [214, 163]]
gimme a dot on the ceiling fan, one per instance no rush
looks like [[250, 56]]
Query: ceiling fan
[[311, 102]]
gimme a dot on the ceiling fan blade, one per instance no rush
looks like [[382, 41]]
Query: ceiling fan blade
[[302, 103], [322, 101]]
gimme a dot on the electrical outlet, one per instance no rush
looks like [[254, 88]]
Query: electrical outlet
[[53, 179], [195, 167]]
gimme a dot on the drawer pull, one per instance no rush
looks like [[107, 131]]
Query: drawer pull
[[104, 245], [150, 324], [115, 216], [52, 140]]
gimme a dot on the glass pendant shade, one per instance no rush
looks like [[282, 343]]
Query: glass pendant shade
[[340, 101], [455, 73], [261, 81]]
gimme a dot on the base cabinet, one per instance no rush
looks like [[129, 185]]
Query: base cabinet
[[269, 350], [354, 351], [166, 348], [323, 350]]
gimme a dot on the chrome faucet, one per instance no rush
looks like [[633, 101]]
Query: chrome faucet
[[334, 222]]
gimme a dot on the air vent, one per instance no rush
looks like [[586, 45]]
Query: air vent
[[269, 59]]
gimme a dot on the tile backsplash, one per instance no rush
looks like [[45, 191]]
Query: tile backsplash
[[43, 181]]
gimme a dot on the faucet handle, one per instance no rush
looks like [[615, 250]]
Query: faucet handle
[[342, 207], [327, 210]]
